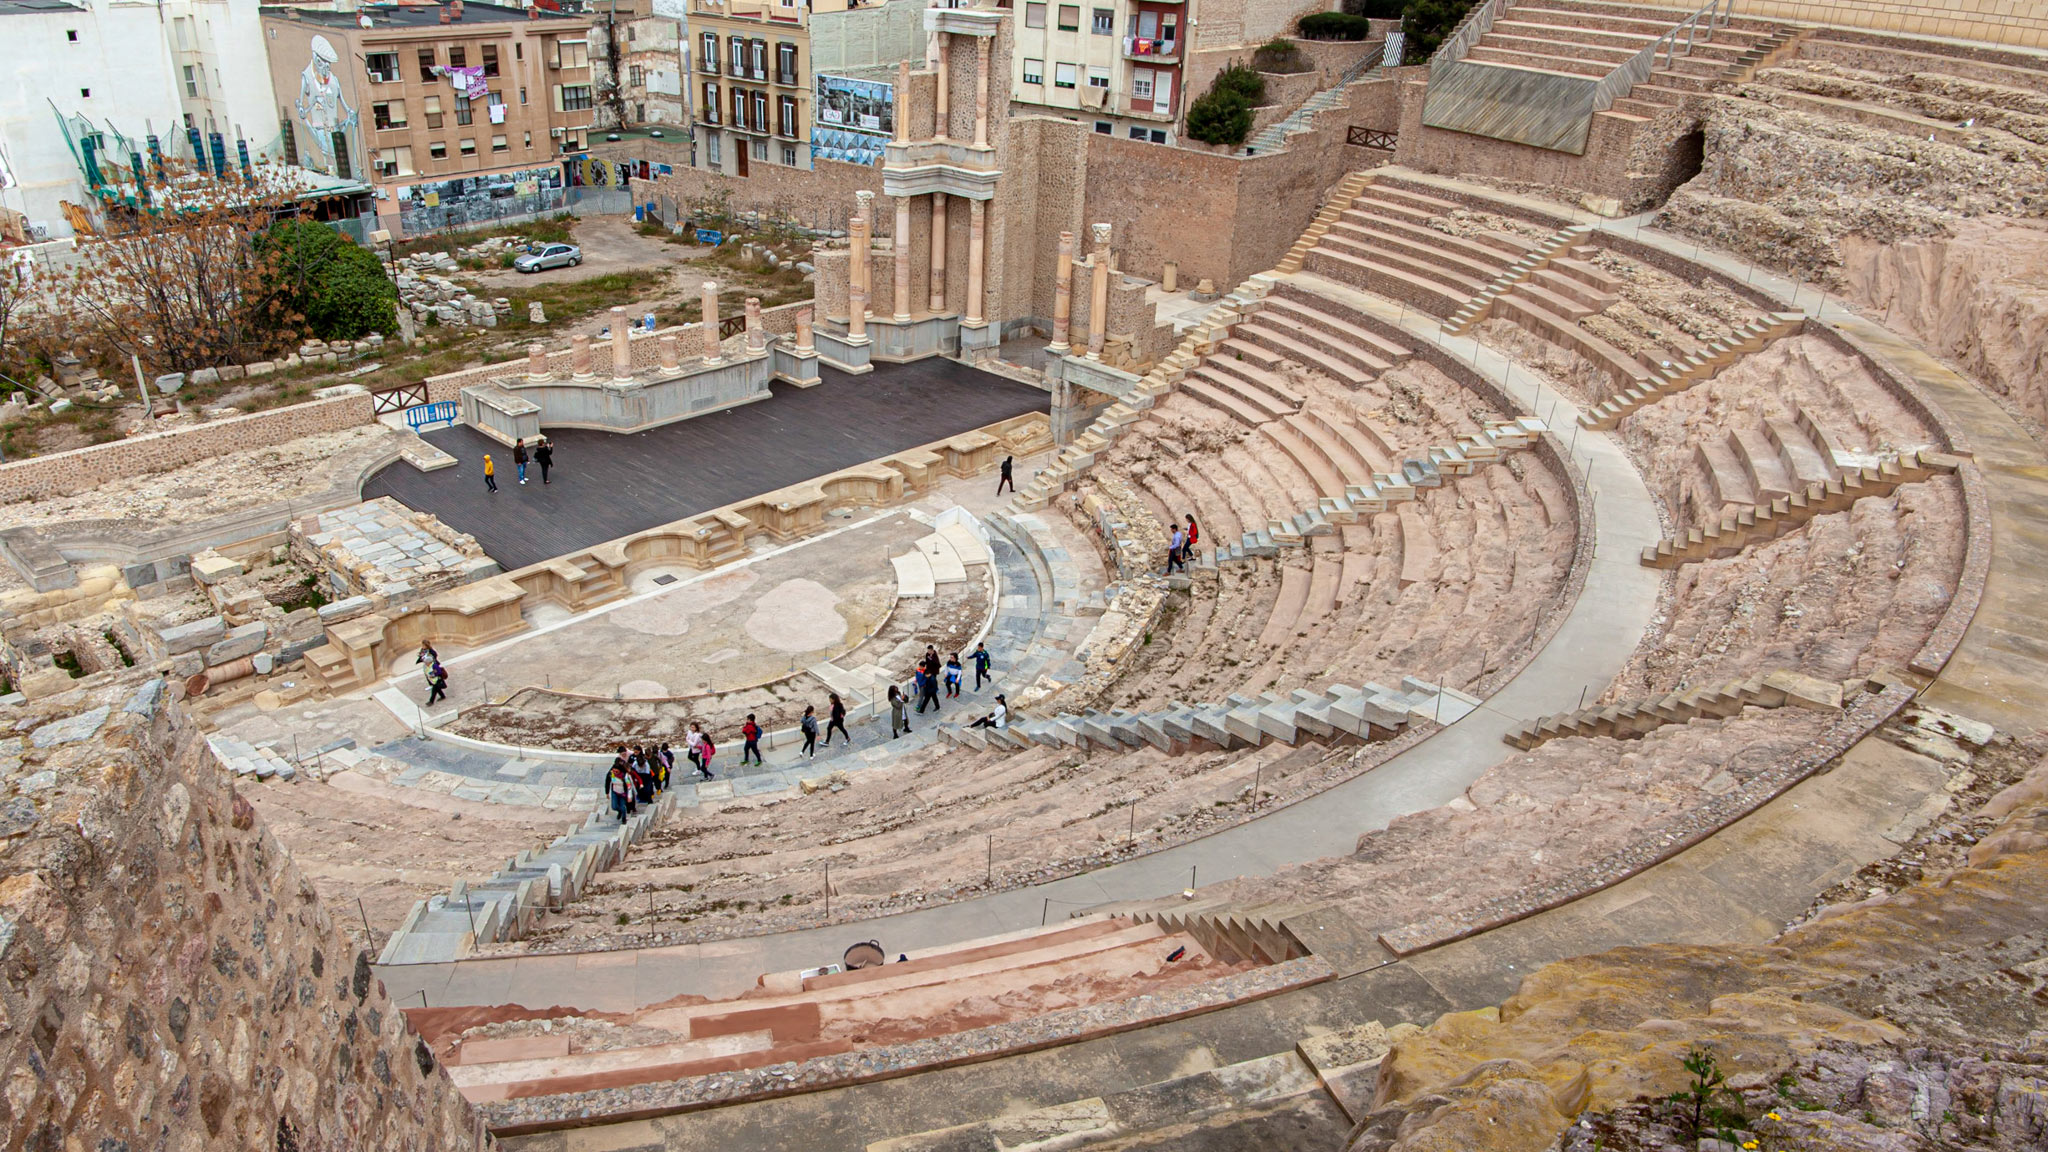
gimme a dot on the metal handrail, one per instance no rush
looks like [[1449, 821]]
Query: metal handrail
[[1638, 68], [1478, 22]]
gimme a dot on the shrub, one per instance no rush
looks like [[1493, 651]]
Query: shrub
[[339, 288], [1243, 82], [1280, 56], [1377, 9], [1335, 26], [1223, 114], [1427, 22]]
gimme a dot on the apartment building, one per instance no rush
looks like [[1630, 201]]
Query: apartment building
[[638, 65], [455, 113], [1114, 64]]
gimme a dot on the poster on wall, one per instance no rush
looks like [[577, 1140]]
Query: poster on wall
[[474, 199], [855, 119], [322, 107]]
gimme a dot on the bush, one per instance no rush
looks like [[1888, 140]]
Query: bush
[[340, 289], [1280, 56], [1427, 22], [1243, 82], [1223, 114], [1335, 26]]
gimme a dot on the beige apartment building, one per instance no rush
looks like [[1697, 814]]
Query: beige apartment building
[[456, 113]]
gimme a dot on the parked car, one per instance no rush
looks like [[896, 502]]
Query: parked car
[[550, 256]]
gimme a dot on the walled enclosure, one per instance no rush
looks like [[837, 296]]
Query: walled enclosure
[[171, 980]]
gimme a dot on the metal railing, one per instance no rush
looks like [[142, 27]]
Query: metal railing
[[1478, 22], [1370, 137], [1638, 68]]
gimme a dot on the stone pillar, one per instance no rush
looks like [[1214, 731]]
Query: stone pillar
[[977, 243], [1063, 298], [1064, 416], [981, 92], [941, 41], [938, 294], [864, 249], [579, 356], [671, 355], [804, 342], [536, 362], [857, 315], [1169, 281], [1098, 300], [622, 345], [902, 101], [757, 336], [902, 253], [712, 352]]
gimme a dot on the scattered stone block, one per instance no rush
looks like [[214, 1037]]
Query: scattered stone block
[[205, 376], [190, 637], [70, 729], [246, 640], [212, 568]]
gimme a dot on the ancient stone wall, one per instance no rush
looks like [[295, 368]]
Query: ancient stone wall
[[65, 473], [821, 197], [1992, 21], [1048, 160], [170, 981]]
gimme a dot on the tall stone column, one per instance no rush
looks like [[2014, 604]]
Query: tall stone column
[[944, 108], [805, 342], [902, 104], [579, 356], [757, 336], [712, 352], [622, 345], [981, 92], [1098, 300], [938, 294], [1063, 298], [977, 243], [902, 254], [671, 358], [536, 362], [857, 315], [864, 253]]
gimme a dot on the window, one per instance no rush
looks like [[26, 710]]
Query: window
[[710, 105], [572, 54], [469, 147], [490, 59], [1168, 26], [522, 94], [760, 150], [433, 111], [184, 26], [785, 112], [759, 119], [1141, 84], [518, 50], [386, 114], [1158, 136], [426, 65], [1145, 25], [499, 144], [707, 53], [85, 92], [1102, 127], [393, 161], [711, 155], [1063, 75], [575, 98], [785, 64], [757, 56], [1137, 133], [458, 57], [464, 113], [192, 79], [1034, 71], [437, 151], [739, 108], [1034, 15], [529, 141], [1070, 17], [383, 66], [71, 34], [1098, 78], [736, 55], [1105, 22], [636, 76], [789, 155]]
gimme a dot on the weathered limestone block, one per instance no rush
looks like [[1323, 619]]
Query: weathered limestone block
[[212, 568], [246, 640], [190, 637]]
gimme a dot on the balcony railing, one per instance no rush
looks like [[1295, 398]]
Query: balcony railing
[[1136, 46]]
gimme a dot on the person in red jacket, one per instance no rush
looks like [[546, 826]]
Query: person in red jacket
[[1188, 551], [752, 733]]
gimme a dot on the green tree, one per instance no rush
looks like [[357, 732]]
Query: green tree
[[1427, 22], [322, 276]]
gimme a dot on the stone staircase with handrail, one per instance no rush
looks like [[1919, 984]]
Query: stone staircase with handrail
[[1738, 530], [1273, 138], [1511, 277], [1692, 369], [1634, 719]]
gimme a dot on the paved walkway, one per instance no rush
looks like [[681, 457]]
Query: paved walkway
[[1590, 648], [608, 485]]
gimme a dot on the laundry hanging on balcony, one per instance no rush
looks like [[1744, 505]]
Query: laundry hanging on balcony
[[469, 81]]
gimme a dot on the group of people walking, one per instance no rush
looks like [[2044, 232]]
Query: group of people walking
[[640, 772], [1181, 548], [542, 453], [929, 678]]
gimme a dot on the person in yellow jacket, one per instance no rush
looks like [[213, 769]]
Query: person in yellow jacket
[[490, 473]]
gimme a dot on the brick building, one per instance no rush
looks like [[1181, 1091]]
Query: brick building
[[455, 113]]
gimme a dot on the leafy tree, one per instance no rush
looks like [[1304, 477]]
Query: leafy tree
[[1377, 9], [1243, 82], [317, 273], [1427, 22], [1223, 114]]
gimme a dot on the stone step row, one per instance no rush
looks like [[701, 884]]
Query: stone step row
[[1372, 712], [1426, 470], [1341, 197], [1738, 530], [1692, 369], [509, 905], [1634, 719], [1513, 275], [246, 760]]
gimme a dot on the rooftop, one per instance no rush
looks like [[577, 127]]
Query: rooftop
[[393, 15], [36, 7]]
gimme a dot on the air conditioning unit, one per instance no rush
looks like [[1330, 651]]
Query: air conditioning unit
[[555, 132]]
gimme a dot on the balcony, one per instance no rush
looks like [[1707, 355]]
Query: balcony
[[1143, 108], [1154, 51], [789, 79]]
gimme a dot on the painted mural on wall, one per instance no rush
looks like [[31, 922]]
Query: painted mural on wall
[[322, 108], [854, 119], [477, 199]]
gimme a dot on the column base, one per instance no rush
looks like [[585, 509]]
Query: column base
[[799, 368], [979, 340]]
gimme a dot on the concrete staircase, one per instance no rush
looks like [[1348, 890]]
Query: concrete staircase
[[1373, 712], [511, 903], [1516, 275], [1593, 37], [1274, 137], [1690, 370], [1736, 531], [1634, 719], [1339, 201], [1382, 243]]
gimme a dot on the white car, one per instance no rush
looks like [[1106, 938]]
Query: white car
[[552, 256]]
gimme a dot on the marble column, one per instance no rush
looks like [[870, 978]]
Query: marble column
[[857, 315], [1098, 300], [622, 345], [902, 102], [579, 356], [1063, 298], [757, 336], [938, 293], [901, 296], [864, 251], [536, 362], [977, 242], [981, 92], [941, 41], [804, 341], [712, 353], [671, 357]]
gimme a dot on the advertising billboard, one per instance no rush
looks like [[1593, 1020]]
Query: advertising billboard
[[854, 119]]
